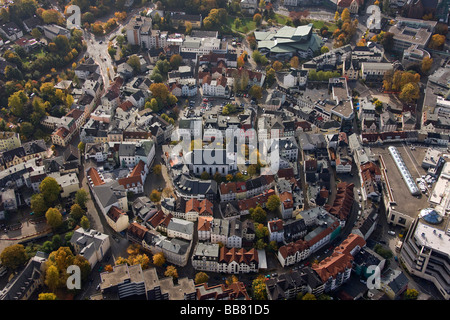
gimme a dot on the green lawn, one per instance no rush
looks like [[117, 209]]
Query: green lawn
[[246, 26], [281, 19]]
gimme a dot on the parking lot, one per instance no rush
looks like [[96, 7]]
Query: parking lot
[[405, 201]]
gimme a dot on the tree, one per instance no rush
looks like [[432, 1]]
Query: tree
[[16, 102], [155, 196], [53, 217], [259, 288], [260, 244], [201, 277], [426, 64], [345, 15], [50, 188], [157, 169], [188, 27], [175, 61], [52, 278], [411, 294], [237, 23], [171, 271], [141, 259], [84, 265], [336, 16], [270, 77], [437, 41], [309, 296], [273, 202], [261, 231], [14, 256], [135, 63], [410, 92], [81, 197], [159, 259], [256, 92], [252, 169], [52, 16], [81, 147], [159, 90], [294, 62], [38, 204], [277, 65], [47, 296], [204, 175], [388, 41], [240, 62], [84, 223], [76, 212], [258, 214], [324, 49]]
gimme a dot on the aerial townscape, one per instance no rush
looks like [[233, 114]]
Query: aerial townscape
[[224, 150]]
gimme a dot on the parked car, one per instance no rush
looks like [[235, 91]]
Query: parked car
[[392, 233]]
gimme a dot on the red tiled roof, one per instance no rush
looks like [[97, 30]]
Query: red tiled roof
[[275, 225], [291, 248], [287, 200], [134, 177], [204, 207], [341, 258], [114, 213], [238, 255], [137, 230], [204, 223], [95, 177]]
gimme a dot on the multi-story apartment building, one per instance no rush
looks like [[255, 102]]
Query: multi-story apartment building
[[425, 252], [205, 257], [9, 140]]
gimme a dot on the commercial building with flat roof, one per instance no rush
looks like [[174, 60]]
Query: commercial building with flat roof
[[426, 251]]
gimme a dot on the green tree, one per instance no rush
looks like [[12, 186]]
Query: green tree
[[411, 294], [157, 169], [309, 296], [324, 49], [135, 63], [14, 256], [47, 296], [38, 204], [204, 175], [201, 277], [175, 61], [259, 288], [257, 18], [273, 202], [53, 217], [258, 214], [52, 279], [410, 92], [50, 189], [84, 223], [426, 64], [81, 147], [76, 212], [155, 196], [256, 92], [81, 198], [16, 102]]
